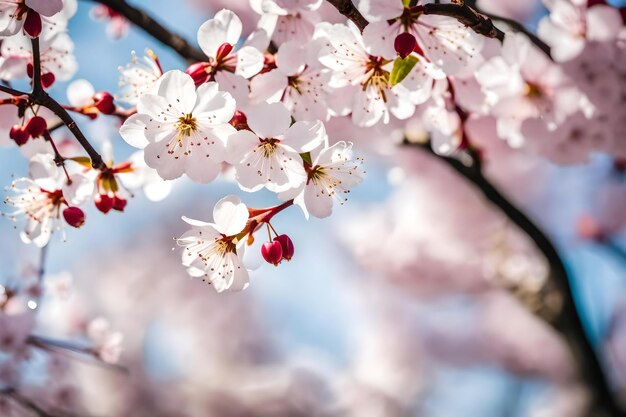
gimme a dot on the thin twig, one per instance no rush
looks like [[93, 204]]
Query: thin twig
[[346, 8], [568, 322]]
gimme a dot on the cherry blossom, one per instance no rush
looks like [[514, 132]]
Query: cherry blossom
[[366, 78], [16, 14], [287, 20], [443, 40], [330, 176], [299, 81], [138, 77], [217, 38], [182, 131], [214, 250], [268, 155], [571, 24], [40, 199], [57, 59]]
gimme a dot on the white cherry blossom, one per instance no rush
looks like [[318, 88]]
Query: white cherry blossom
[[138, 77], [217, 38], [181, 130], [268, 155], [299, 82], [571, 24], [330, 176], [367, 78], [214, 251], [288, 20], [443, 40]]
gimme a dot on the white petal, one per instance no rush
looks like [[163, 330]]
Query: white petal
[[269, 120], [230, 215], [80, 93], [45, 7], [133, 131], [290, 58], [305, 136], [178, 89], [249, 61], [269, 87], [225, 27]]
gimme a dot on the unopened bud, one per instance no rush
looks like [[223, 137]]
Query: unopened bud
[[287, 246], [74, 216], [104, 203], [104, 102], [19, 134], [32, 24], [272, 252], [223, 51], [36, 126], [239, 121], [404, 44], [200, 72], [47, 79], [119, 203]]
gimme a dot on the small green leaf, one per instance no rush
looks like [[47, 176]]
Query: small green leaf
[[83, 160], [406, 3], [306, 157], [402, 68]]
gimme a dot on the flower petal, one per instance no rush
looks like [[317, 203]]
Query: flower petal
[[230, 215]]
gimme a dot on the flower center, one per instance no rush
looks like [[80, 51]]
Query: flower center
[[377, 76], [533, 90], [186, 126], [268, 147]]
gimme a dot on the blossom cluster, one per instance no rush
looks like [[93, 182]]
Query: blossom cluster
[[279, 109]]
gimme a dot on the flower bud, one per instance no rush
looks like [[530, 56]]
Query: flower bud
[[200, 72], [36, 126], [47, 79], [104, 203], [223, 51], [104, 102], [74, 216], [287, 246], [272, 252], [32, 24], [404, 44], [19, 134], [119, 203], [239, 121]]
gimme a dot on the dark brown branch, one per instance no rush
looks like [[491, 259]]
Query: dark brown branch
[[466, 15], [568, 322], [37, 87], [346, 8], [518, 27], [155, 29]]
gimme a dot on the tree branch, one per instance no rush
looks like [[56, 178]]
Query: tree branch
[[479, 23], [155, 29], [346, 8], [568, 322]]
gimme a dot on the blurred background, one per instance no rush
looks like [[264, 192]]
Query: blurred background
[[406, 302]]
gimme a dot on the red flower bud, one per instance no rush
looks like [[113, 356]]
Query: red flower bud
[[239, 121], [223, 51], [104, 102], [287, 246], [32, 24], [104, 203], [272, 252], [404, 44], [74, 216], [36, 126], [200, 72], [119, 203], [47, 79], [19, 134]]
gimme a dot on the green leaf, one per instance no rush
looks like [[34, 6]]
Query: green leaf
[[83, 160], [406, 3], [306, 157], [402, 68]]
